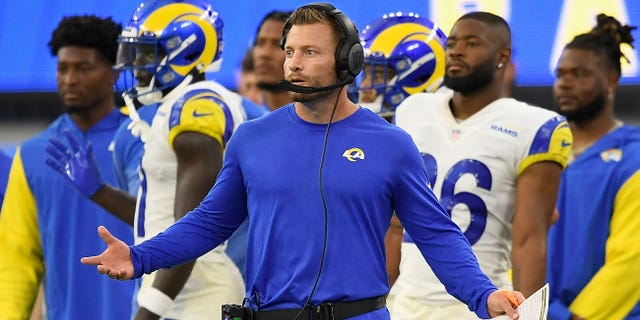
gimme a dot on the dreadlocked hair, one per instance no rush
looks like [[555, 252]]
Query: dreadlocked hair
[[605, 40]]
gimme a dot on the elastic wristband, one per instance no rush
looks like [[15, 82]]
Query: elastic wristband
[[155, 301]]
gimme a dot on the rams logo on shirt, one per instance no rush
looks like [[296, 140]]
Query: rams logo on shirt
[[354, 154], [613, 154]]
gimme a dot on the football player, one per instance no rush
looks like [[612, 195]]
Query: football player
[[493, 162]]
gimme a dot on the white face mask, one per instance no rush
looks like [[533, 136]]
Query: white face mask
[[375, 106]]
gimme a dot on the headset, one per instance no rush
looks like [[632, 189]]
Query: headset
[[349, 52]]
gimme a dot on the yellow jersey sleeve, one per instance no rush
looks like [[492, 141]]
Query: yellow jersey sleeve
[[21, 260], [204, 113], [552, 142], [600, 299]]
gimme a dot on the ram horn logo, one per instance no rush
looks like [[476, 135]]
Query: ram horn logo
[[354, 154]]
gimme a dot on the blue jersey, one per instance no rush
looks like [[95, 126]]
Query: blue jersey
[[46, 226], [5, 165], [253, 110], [594, 248], [371, 169], [237, 244], [127, 152]]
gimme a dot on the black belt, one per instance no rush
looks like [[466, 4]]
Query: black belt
[[325, 311]]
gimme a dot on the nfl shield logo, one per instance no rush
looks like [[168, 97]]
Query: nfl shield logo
[[455, 134]]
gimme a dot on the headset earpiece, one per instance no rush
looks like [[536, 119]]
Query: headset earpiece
[[349, 52], [500, 65]]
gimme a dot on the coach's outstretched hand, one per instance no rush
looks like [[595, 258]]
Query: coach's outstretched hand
[[115, 261], [503, 301]]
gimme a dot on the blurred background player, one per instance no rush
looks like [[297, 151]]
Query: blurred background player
[[594, 251], [44, 220], [493, 162], [168, 45], [268, 59], [404, 54], [246, 81]]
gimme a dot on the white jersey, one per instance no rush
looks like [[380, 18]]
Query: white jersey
[[208, 108], [205, 107], [473, 166]]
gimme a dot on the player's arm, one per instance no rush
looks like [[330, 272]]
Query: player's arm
[[615, 289], [393, 245], [21, 260], [117, 202], [197, 143], [536, 194]]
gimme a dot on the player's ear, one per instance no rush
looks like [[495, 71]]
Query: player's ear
[[504, 56]]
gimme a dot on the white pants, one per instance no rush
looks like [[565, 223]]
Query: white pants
[[210, 285], [406, 308]]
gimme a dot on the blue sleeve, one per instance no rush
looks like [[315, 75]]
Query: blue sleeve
[[253, 110], [204, 228], [5, 166], [128, 150], [439, 239], [127, 154], [558, 311]]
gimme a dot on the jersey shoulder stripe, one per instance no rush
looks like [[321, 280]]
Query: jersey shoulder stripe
[[552, 142], [203, 111]]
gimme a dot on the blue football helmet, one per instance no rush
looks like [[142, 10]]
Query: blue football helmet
[[165, 41], [404, 54]]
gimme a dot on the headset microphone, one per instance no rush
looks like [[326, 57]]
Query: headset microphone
[[288, 86]]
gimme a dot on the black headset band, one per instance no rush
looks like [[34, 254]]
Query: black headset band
[[349, 52]]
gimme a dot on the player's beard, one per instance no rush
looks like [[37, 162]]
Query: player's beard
[[478, 78], [586, 112], [82, 108], [78, 109]]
